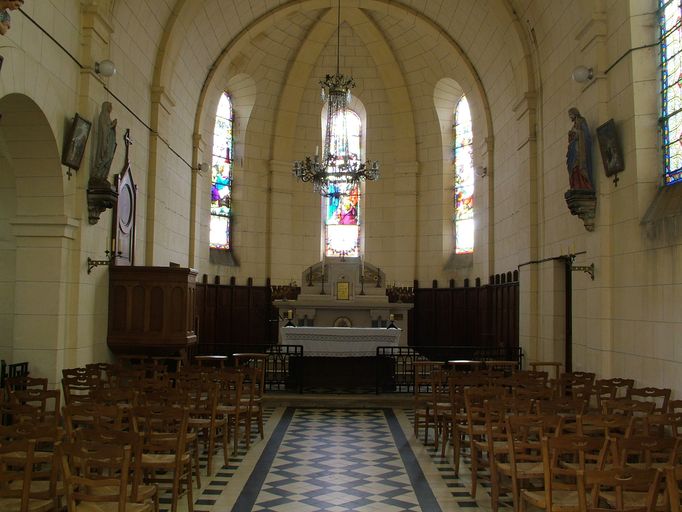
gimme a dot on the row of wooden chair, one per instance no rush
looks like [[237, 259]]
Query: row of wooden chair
[[586, 407], [215, 403]]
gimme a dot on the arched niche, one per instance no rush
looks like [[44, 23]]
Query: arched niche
[[36, 236]]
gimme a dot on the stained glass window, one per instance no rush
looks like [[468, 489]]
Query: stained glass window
[[671, 81], [221, 176], [464, 179], [341, 209]]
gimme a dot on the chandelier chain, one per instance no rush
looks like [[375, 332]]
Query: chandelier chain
[[337, 172]]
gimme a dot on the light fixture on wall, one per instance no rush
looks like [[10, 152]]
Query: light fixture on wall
[[582, 74], [481, 171], [202, 168], [106, 68], [331, 170]]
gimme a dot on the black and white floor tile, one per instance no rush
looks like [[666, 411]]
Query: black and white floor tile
[[336, 459]]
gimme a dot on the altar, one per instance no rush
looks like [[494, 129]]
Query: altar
[[344, 293], [335, 357], [340, 341]]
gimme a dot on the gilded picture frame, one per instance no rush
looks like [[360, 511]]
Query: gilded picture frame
[[342, 290]]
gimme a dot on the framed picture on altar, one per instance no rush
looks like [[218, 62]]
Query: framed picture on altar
[[342, 290]]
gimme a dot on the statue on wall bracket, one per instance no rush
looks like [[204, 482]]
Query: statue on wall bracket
[[101, 195], [581, 198]]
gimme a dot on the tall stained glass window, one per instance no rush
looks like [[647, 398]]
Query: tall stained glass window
[[671, 81], [464, 179], [221, 176], [341, 209]]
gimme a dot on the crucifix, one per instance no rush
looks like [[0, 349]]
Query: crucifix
[[128, 141]]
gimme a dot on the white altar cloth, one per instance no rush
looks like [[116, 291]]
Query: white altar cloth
[[340, 341]]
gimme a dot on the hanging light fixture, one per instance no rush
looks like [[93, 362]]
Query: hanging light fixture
[[336, 173]]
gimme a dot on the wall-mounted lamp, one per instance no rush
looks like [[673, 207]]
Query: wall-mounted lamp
[[481, 171], [106, 68], [202, 168], [582, 74]]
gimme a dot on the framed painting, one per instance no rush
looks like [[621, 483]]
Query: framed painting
[[609, 147], [75, 141]]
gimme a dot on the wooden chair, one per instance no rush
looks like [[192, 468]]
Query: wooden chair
[[442, 412], [252, 399], [178, 397], [624, 486], [560, 486], [96, 478], [424, 409], [457, 383], [205, 419], [496, 438], [230, 404], [137, 492], [659, 396], [164, 448], [474, 403], [524, 433], [20, 471]]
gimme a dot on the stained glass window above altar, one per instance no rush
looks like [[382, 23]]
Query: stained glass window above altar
[[341, 208]]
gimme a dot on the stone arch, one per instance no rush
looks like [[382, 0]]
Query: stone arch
[[36, 237]]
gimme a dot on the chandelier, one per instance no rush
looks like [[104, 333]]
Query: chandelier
[[337, 171]]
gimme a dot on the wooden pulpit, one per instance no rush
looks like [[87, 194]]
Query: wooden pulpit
[[151, 310]]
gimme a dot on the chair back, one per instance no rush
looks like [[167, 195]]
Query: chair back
[[95, 475], [605, 425], [90, 416], [659, 396], [623, 386], [620, 484], [45, 401], [20, 470]]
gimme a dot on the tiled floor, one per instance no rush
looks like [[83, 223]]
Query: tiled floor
[[354, 454]]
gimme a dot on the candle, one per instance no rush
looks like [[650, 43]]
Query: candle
[[362, 266], [391, 317], [317, 150], [290, 314]]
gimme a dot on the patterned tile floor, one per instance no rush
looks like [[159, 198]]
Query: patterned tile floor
[[336, 458]]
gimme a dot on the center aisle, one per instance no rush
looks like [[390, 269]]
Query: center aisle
[[329, 459]]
